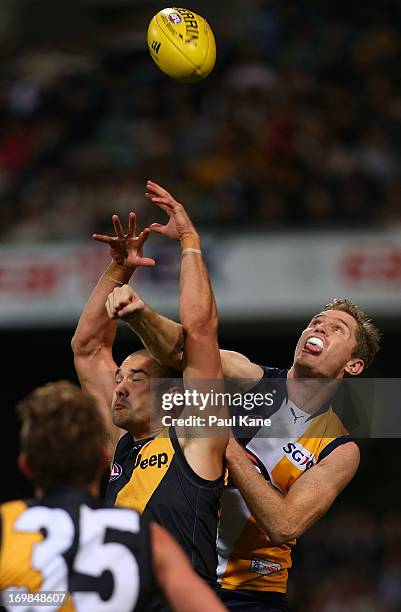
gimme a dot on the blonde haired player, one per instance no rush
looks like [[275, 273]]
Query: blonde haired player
[[267, 508]]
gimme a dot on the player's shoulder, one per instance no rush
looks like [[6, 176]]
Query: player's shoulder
[[12, 509], [341, 450], [125, 443], [271, 372]]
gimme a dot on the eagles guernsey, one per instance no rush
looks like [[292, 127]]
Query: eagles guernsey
[[154, 477], [246, 561], [82, 554]]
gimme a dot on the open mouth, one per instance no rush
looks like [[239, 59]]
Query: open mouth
[[119, 406], [314, 345]]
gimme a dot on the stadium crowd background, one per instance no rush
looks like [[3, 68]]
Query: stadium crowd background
[[298, 127], [300, 120]]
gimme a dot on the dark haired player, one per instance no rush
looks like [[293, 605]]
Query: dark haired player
[[65, 550], [173, 476]]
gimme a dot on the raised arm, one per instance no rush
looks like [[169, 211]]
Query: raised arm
[[202, 369], [164, 340], [95, 333], [201, 361]]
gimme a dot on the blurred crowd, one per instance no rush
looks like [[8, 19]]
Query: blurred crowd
[[349, 562], [298, 126]]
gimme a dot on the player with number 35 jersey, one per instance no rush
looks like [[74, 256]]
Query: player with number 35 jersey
[[66, 549]]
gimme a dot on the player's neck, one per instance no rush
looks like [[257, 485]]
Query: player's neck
[[150, 433], [93, 489], [310, 394]]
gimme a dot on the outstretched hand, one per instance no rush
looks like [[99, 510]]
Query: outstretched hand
[[179, 224], [127, 249]]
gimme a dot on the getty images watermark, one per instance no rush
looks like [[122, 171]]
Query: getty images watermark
[[207, 401], [278, 407]]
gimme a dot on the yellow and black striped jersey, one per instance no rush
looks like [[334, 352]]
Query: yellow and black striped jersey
[[67, 542], [154, 477], [246, 559]]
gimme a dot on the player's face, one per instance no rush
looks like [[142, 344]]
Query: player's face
[[325, 347], [131, 400]]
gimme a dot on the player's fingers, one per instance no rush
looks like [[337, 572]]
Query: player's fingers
[[158, 189], [109, 308], [118, 228], [155, 198], [127, 310], [146, 261], [102, 238], [143, 236], [131, 225], [169, 202], [158, 228], [120, 301], [163, 204], [126, 293]]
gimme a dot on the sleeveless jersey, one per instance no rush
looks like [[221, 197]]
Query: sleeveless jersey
[[98, 556], [246, 560], [154, 477]]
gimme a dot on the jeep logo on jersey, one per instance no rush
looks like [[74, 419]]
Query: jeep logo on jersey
[[116, 472], [299, 456], [153, 461]]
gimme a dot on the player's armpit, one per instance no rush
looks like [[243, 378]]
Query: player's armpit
[[237, 366], [183, 589]]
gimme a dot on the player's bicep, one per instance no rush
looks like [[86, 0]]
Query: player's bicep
[[313, 493], [202, 358], [97, 376], [203, 380]]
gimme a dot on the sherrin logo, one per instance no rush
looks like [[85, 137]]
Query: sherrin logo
[[175, 18], [299, 456], [116, 472]]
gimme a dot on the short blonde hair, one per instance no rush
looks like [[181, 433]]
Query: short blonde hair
[[367, 335]]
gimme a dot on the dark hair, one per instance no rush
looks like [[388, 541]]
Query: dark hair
[[367, 335], [63, 435]]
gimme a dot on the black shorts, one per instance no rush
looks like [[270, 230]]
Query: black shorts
[[253, 601]]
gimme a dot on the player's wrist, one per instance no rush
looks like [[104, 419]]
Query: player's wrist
[[119, 273], [190, 241]]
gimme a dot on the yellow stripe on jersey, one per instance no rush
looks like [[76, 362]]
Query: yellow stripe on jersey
[[151, 465], [16, 551], [16, 554], [246, 561], [248, 549]]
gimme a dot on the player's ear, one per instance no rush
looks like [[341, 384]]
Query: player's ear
[[175, 390], [354, 366], [24, 466]]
